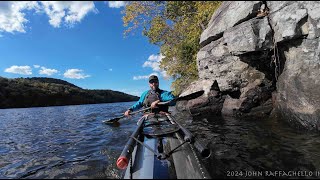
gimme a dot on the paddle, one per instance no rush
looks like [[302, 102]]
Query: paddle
[[113, 120], [187, 97]]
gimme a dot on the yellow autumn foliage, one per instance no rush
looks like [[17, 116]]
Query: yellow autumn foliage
[[175, 26]]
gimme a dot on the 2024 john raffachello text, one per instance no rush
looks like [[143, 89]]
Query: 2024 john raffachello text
[[272, 173]]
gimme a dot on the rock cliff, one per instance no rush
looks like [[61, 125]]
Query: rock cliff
[[259, 56]]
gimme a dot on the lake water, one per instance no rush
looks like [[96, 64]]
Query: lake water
[[62, 141], [72, 142], [257, 148]]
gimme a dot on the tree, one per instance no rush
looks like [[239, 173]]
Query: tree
[[176, 27]]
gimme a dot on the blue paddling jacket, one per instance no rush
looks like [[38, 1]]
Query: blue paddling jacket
[[163, 97]]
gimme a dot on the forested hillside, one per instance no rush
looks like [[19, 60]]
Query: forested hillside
[[33, 92]]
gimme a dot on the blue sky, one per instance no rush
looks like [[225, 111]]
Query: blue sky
[[79, 42]]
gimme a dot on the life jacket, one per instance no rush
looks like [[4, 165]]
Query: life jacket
[[150, 98]]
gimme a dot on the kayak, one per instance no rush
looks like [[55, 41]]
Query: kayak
[[160, 148]]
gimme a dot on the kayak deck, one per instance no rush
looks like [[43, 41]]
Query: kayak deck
[[162, 136]]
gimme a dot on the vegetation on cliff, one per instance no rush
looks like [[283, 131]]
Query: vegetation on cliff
[[33, 92], [176, 27]]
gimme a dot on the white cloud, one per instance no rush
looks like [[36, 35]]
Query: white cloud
[[75, 74], [143, 77], [12, 18], [24, 70], [69, 11], [110, 69], [154, 63], [36, 66], [116, 4], [156, 58], [47, 71]]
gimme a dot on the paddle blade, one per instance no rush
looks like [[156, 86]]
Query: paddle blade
[[191, 96], [111, 121]]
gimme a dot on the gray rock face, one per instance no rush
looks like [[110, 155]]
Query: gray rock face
[[226, 71], [289, 22], [292, 20], [229, 14], [245, 48], [298, 86], [252, 35], [313, 8]]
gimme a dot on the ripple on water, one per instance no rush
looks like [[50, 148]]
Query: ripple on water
[[61, 142]]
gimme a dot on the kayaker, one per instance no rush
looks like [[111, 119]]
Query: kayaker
[[152, 97]]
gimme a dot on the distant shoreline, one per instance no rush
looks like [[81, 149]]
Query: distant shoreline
[[44, 92]]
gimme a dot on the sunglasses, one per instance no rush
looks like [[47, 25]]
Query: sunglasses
[[153, 81]]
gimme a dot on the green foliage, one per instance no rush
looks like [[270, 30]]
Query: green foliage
[[176, 27], [33, 92]]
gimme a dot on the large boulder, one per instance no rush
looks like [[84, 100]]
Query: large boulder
[[210, 101]]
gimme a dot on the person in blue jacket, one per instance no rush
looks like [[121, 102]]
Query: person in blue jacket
[[152, 97]]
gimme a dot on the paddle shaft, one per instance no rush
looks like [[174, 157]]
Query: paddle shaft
[[113, 120], [187, 97], [135, 112]]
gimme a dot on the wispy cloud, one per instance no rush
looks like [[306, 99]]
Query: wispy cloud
[[47, 71], [116, 4], [75, 74], [110, 69], [24, 70], [140, 77], [144, 77], [12, 16], [154, 63], [36, 66]]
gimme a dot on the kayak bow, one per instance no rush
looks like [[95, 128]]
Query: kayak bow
[[162, 148]]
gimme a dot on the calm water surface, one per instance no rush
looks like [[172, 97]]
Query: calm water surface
[[62, 141], [72, 142]]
